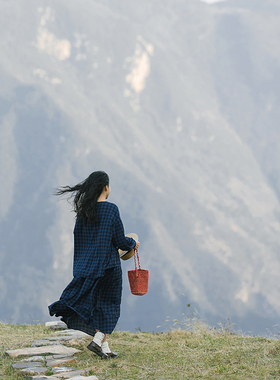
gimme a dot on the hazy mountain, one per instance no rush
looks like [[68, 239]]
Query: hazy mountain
[[178, 102]]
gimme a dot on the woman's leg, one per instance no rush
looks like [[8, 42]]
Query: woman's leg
[[96, 344], [107, 310], [99, 345]]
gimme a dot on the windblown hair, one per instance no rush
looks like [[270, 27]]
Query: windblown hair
[[86, 194]]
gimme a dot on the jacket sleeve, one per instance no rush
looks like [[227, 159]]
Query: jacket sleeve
[[119, 238]]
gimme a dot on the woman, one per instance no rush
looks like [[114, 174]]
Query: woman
[[91, 302]]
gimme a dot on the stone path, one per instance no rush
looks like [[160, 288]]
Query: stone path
[[50, 355]]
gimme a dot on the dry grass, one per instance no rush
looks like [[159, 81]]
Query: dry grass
[[179, 354]]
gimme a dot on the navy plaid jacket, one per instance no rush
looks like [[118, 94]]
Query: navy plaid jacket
[[96, 245]]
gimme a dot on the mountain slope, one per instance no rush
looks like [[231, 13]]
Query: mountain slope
[[177, 101]]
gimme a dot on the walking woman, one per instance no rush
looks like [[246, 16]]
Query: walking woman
[[91, 302]]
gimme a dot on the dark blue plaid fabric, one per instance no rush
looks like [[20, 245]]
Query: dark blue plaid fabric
[[88, 304], [92, 299], [96, 246]]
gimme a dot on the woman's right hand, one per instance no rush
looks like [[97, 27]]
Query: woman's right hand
[[136, 245]]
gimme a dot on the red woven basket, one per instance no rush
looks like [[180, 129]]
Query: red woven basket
[[138, 278]]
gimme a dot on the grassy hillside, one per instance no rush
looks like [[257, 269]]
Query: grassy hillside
[[178, 354]]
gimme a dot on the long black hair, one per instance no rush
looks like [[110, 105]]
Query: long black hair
[[86, 194]]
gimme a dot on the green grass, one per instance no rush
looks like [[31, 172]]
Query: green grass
[[198, 354]]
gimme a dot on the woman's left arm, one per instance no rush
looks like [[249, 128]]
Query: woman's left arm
[[119, 238]]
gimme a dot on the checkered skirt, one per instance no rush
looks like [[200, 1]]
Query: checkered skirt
[[87, 304]]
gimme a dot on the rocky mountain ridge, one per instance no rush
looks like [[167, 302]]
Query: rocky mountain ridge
[[177, 101]]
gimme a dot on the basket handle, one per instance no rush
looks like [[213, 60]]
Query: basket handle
[[136, 254]]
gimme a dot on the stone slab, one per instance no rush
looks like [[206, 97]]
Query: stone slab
[[35, 359], [43, 342], [34, 370], [74, 342], [84, 378], [52, 357], [46, 358], [42, 377], [79, 372], [26, 365], [56, 349], [59, 362], [62, 369], [60, 338], [76, 333], [56, 325], [69, 375], [56, 377]]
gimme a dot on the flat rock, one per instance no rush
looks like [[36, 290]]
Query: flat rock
[[70, 375], [55, 349], [42, 377], [75, 377], [84, 378], [60, 338], [26, 365], [79, 372], [62, 369], [74, 342], [74, 333], [35, 359], [59, 362], [46, 358], [52, 357], [43, 342], [34, 370], [56, 325]]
